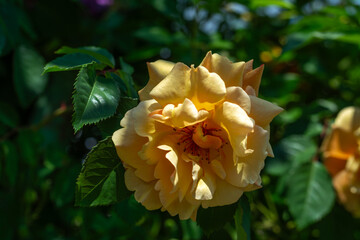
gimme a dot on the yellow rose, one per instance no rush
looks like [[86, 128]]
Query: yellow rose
[[198, 137], [342, 157]]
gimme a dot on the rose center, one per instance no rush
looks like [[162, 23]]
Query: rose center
[[197, 141], [205, 141]]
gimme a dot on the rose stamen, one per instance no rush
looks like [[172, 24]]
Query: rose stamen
[[198, 139]]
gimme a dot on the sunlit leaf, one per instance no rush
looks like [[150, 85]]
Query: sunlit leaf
[[310, 194], [101, 181], [95, 98], [278, 3]]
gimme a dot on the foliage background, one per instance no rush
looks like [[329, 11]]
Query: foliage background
[[311, 54]]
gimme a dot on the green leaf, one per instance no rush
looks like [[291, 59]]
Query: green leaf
[[310, 194], [242, 219], [99, 53], [69, 62], [101, 180], [8, 115], [123, 77], [290, 153], [11, 161], [214, 218], [279, 3], [190, 229], [95, 98], [126, 67], [29, 82]]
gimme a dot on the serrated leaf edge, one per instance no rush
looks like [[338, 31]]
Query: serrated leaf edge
[[100, 182]]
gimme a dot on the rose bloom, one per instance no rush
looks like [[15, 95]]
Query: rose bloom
[[342, 158], [198, 137]]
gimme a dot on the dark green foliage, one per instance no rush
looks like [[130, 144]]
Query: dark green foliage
[[102, 55], [242, 219], [76, 58], [101, 181], [214, 218], [28, 66], [68, 62], [310, 194]]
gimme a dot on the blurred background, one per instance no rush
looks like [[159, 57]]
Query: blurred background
[[311, 52]]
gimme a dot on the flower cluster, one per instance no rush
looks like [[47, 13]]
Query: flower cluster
[[199, 136], [342, 158]]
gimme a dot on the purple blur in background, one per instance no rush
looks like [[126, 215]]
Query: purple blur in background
[[97, 7]]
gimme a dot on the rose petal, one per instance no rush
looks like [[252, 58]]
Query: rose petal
[[237, 124], [334, 165], [157, 72], [263, 111], [186, 114], [144, 126], [231, 73], [206, 88], [248, 66], [206, 187], [245, 170], [175, 87], [181, 177], [348, 119], [128, 144], [218, 168], [238, 96], [183, 208], [250, 91], [225, 194], [253, 78], [234, 118], [340, 143], [144, 192]]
